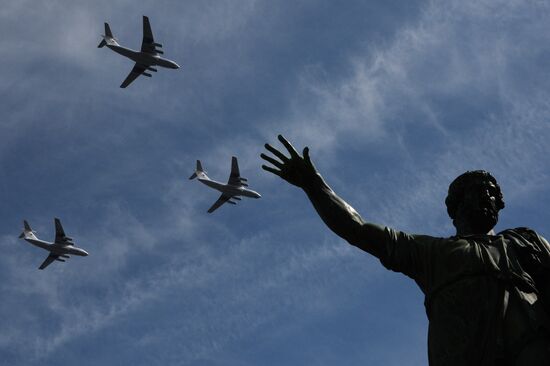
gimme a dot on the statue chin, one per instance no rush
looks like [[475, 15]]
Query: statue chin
[[483, 220]]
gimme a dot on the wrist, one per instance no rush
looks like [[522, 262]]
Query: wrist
[[314, 183]]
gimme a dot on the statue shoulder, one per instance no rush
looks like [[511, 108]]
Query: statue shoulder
[[523, 232], [529, 244]]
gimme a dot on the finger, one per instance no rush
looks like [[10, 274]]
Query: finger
[[308, 159], [289, 147], [271, 170], [272, 161], [306, 155], [276, 152]]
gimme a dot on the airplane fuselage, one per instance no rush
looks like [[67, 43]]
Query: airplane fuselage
[[143, 57], [229, 189], [56, 248]]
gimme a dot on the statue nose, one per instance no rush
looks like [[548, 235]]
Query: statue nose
[[487, 197]]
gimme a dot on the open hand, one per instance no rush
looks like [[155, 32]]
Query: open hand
[[296, 170]]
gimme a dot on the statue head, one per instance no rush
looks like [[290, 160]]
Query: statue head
[[473, 202]]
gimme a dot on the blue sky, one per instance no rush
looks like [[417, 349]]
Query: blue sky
[[394, 99]]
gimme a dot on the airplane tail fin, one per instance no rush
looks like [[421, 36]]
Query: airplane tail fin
[[108, 32], [197, 170], [108, 35], [27, 233]]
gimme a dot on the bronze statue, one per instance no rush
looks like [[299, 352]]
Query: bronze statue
[[487, 297]]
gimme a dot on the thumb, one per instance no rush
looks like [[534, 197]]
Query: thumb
[[306, 155], [307, 159]]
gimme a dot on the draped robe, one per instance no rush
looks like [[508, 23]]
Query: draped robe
[[486, 296]]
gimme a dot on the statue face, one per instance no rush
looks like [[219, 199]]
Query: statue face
[[479, 206]]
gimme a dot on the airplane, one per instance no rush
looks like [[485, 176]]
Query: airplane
[[235, 187], [61, 247], [145, 59]]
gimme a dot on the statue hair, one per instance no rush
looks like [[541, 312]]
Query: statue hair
[[461, 183]]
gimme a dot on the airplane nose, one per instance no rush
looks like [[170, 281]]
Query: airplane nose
[[84, 253], [175, 66]]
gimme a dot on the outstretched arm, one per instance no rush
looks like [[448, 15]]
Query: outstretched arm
[[335, 212]]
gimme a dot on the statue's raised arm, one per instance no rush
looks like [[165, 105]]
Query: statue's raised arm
[[339, 216]]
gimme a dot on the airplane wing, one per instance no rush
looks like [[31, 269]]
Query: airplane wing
[[223, 199], [235, 178], [148, 43], [60, 236], [136, 71], [49, 259]]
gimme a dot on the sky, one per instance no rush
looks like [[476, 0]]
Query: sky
[[394, 100]]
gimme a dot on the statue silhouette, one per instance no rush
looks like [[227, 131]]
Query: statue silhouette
[[487, 297]]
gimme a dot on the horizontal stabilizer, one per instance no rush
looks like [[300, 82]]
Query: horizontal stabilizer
[[101, 44]]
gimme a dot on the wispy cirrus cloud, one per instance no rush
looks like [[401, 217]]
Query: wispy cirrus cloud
[[443, 97]]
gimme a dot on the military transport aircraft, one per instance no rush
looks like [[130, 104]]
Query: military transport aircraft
[[235, 187], [61, 247], [145, 59]]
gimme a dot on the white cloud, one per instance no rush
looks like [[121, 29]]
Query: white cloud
[[459, 58]]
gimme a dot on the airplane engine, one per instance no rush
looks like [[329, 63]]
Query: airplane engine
[[152, 69], [146, 74], [159, 52], [61, 260], [157, 44], [64, 256]]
